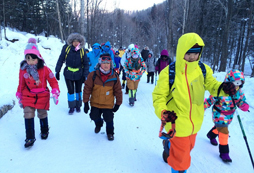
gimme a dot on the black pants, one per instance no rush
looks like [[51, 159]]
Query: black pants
[[70, 85], [74, 92], [150, 74]]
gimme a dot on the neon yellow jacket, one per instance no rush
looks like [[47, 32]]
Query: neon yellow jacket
[[186, 97]]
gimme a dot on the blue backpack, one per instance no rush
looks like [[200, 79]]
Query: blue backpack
[[172, 72]]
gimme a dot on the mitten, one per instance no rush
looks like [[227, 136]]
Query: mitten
[[57, 76], [244, 107], [86, 107], [116, 107], [55, 93], [229, 88], [19, 97]]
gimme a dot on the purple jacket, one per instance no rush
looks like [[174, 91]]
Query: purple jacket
[[161, 64]]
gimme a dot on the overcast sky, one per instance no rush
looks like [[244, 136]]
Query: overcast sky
[[131, 5]]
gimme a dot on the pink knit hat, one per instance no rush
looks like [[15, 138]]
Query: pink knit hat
[[164, 52], [32, 48]]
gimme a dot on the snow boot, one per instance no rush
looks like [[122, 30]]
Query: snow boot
[[71, 111], [29, 142], [78, 109], [44, 128], [166, 147], [175, 171], [224, 153], [212, 136], [110, 130], [30, 137], [110, 137], [98, 125]]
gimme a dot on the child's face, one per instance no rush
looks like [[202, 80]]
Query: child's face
[[190, 57], [31, 61], [105, 66], [75, 43]]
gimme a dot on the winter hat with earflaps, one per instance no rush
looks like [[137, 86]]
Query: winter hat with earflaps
[[32, 48]]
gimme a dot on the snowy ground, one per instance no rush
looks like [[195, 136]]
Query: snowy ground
[[73, 146]]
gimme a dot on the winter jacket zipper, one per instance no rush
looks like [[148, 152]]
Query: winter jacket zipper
[[189, 98]]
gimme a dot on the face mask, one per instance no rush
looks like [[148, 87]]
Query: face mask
[[237, 82], [135, 56]]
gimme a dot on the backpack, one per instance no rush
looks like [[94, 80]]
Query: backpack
[[172, 72], [82, 53]]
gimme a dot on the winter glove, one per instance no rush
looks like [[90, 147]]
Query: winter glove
[[55, 94], [19, 97], [244, 107], [86, 107], [168, 116], [229, 88], [57, 76], [116, 107]]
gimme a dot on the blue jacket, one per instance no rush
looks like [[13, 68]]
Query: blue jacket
[[108, 50], [93, 57], [117, 61]]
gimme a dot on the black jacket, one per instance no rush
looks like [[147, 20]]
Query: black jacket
[[73, 60], [144, 54]]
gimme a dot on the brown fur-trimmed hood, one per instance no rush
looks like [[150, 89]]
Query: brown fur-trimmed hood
[[76, 36]]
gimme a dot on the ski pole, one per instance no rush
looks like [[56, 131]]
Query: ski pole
[[245, 138], [155, 79]]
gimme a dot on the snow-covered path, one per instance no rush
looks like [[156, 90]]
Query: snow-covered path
[[73, 146]]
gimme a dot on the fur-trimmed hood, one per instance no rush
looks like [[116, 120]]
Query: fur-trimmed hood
[[76, 36]]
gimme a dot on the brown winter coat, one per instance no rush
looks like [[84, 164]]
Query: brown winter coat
[[102, 94]]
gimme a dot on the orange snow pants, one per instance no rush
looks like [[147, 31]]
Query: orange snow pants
[[179, 152]]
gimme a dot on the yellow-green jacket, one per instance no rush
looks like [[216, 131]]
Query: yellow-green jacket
[[186, 96]]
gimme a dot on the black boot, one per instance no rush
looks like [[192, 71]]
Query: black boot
[[44, 128], [98, 125], [30, 138], [110, 130]]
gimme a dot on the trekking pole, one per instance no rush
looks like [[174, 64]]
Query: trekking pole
[[245, 138], [155, 79]]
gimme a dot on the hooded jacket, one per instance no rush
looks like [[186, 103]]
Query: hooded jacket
[[108, 50], [150, 63], [94, 56], [186, 96], [223, 106]]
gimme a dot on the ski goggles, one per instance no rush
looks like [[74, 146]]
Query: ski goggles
[[106, 58]]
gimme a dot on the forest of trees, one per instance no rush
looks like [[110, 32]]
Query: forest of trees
[[226, 26]]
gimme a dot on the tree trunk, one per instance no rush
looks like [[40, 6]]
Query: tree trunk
[[224, 55], [248, 35], [87, 25], [82, 17], [59, 20], [185, 14], [169, 28]]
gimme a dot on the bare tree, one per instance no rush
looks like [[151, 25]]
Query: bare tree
[[59, 20], [82, 17]]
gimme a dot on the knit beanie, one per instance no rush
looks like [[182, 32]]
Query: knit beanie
[[195, 49], [164, 53], [32, 48]]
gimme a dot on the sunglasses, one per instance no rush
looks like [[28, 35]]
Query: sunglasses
[[106, 58], [107, 46]]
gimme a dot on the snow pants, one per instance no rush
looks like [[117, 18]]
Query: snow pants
[[179, 152]]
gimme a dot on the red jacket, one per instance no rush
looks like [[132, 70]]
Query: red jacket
[[33, 95]]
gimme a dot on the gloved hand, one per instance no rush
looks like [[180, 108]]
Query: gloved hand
[[116, 107], [229, 88], [168, 116], [55, 93], [244, 107], [19, 97], [57, 76], [86, 107]]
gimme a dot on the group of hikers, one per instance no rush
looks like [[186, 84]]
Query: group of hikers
[[178, 96]]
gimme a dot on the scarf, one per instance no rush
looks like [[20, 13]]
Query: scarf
[[135, 64], [104, 72], [31, 70]]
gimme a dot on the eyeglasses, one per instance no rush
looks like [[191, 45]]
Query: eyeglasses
[[106, 58]]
